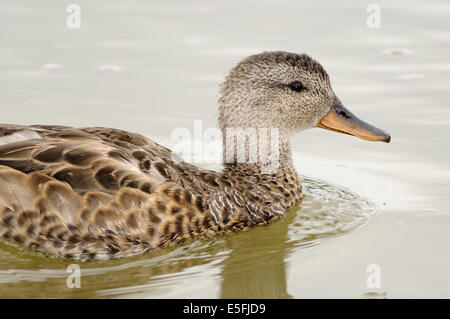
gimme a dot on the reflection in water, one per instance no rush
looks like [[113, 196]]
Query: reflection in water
[[244, 265], [255, 268]]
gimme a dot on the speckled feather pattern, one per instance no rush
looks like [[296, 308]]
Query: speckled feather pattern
[[103, 193], [100, 193]]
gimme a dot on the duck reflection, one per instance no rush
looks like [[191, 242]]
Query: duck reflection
[[241, 279]]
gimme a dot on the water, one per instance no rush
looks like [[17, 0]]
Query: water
[[150, 67]]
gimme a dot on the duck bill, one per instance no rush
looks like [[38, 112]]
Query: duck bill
[[341, 120]]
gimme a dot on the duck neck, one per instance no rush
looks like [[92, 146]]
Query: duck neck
[[261, 150], [261, 189]]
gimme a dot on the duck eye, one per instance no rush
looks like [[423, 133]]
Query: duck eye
[[296, 86]]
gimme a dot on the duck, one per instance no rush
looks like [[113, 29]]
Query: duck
[[101, 193]]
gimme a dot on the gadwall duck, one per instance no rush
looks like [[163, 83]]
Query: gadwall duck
[[100, 193]]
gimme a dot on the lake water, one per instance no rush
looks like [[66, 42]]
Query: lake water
[[150, 67]]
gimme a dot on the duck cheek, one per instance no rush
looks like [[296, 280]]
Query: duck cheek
[[311, 117], [300, 124]]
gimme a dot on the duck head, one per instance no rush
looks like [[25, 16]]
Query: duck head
[[288, 91]]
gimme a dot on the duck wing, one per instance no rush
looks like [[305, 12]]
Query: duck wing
[[93, 192]]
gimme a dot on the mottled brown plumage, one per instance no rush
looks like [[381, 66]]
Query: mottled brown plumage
[[99, 193]]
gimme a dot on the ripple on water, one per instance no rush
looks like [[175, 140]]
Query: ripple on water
[[328, 210], [221, 265], [397, 51]]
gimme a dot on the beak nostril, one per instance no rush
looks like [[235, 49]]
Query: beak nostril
[[343, 114]]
